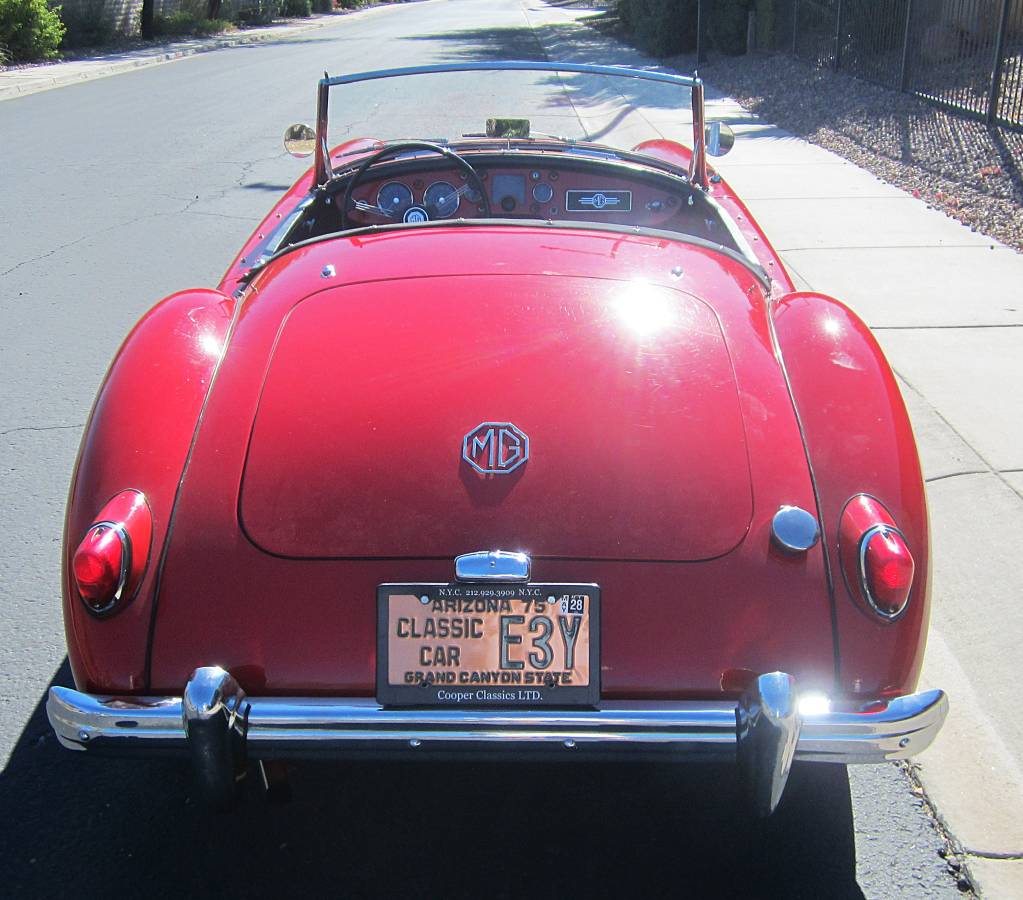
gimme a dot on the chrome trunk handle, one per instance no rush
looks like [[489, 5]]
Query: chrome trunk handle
[[492, 565]]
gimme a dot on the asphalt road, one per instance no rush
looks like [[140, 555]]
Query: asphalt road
[[119, 191]]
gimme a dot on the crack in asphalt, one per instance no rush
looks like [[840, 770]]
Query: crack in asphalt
[[78, 240], [43, 256], [41, 428], [245, 169], [216, 215]]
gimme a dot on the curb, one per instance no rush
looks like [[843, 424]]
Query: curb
[[38, 84]]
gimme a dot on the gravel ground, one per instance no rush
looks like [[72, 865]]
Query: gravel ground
[[972, 172]]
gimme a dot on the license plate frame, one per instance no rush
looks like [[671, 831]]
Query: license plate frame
[[463, 601]]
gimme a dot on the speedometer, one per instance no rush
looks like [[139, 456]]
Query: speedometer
[[394, 198], [441, 200]]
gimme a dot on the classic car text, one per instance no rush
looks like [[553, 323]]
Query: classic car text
[[511, 640]]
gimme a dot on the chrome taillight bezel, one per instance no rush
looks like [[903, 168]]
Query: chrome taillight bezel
[[127, 514], [868, 535], [863, 516], [125, 571]]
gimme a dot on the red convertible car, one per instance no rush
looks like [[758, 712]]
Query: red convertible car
[[508, 443]]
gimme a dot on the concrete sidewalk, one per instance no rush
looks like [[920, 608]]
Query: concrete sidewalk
[[20, 82], [947, 306]]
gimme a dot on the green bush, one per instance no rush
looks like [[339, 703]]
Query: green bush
[[661, 27], [261, 12], [323, 6], [188, 23], [86, 26], [726, 30], [667, 27], [29, 29], [298, 9], [766, 22]]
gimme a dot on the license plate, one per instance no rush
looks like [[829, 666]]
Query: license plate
[[488, 645]]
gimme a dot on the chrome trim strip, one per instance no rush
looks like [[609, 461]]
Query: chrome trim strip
[[892, 730], [323, 167]]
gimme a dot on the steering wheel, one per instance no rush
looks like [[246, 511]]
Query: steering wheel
[[473, 180]]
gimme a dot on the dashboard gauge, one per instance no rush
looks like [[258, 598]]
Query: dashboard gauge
[[542, 192], [394, 198], [441, 200]]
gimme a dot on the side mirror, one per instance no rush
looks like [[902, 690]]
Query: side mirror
[[719, 138], [300, 140]]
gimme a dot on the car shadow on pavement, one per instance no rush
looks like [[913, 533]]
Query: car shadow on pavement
[[99, 827]]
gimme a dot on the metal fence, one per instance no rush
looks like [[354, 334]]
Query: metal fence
[[965, 55]]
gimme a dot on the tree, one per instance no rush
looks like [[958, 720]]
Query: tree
[[147, 21]]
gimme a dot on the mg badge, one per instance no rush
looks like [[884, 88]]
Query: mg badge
[[495, 448]]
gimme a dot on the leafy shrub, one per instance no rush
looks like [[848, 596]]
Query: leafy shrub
[[727, 26], [323, 6], [766, 22], [349, 4], [259, 12], [184, 22], [86, 26], [297, 9], [667, 27], [29, 29], [661, 27]]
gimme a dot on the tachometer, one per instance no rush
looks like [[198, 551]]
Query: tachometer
[[441, 200], [394, 198]]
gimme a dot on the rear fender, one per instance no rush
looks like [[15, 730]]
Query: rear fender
[[859, 440], [138, 437]]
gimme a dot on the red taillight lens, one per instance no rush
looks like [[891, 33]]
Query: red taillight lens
[[100, 566], [875, 557], [887, 568], [106, 568]]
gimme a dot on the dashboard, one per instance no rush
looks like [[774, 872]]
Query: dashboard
[[542, 186]]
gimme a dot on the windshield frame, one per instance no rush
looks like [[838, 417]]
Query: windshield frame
[[323, 168]]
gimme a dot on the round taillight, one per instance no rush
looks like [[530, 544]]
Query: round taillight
[[107, 567], [101, 565], [886, 570]]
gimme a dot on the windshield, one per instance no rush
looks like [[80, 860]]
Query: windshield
[[612, 111], [515, 142]]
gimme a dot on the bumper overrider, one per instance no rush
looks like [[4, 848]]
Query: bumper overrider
[[764, 732]]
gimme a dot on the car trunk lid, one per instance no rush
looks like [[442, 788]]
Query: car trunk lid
[[624, 392]]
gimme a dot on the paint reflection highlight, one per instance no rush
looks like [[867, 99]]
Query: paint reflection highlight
[[645, 311]]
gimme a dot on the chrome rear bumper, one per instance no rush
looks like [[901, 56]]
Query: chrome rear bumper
[[770, 727]]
